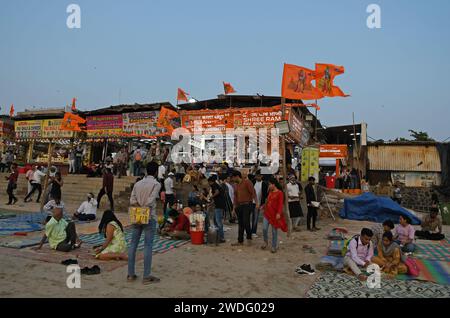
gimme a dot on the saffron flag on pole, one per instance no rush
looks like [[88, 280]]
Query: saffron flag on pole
[[72, 122], [228, 88], [11, 111], [74, 107], [166, 115], [182, 95], [325, 74], [297, 83]]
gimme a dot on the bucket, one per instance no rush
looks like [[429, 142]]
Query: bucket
[[197, 237]]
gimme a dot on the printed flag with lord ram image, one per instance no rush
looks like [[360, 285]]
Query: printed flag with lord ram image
[[168, 119], [325, 74], [72, 122], [297, 82]]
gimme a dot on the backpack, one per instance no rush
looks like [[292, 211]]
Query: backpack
[[413, 268], [347, 242], [138, 156]]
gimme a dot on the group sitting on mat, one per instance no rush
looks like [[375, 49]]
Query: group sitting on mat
[[361, 254]]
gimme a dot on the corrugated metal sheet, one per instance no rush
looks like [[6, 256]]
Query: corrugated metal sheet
[[404, 158]]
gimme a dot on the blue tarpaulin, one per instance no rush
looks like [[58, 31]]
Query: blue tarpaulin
[[369, 207]]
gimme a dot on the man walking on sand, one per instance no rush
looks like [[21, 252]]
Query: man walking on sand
[[244, 196]]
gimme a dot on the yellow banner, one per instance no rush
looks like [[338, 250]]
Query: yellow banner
[[51, 128]]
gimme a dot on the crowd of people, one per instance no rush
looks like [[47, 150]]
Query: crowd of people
[[222, 194]]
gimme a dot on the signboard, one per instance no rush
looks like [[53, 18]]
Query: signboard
[[333, 151], [142, 123], [104, 125], [296, 125], [51, 129], [310, 164], [257, 117], [283, 127], [28, 129], [6, 128], [207, 119]]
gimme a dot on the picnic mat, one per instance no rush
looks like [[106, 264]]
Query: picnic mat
[[432, 271], [335, 247], [6, 215], [21, 243], [341, 285], [160, 244], [433, 250]]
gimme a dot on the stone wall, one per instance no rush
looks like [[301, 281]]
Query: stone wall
[[417, 199]]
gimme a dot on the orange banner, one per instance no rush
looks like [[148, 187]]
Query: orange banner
[[325, 74], [166, 117], [333, 151], [297, 83], [72, 122]]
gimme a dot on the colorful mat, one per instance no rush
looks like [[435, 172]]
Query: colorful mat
[[160, 244], [337, 234], [340, 285], [6, 215], [432, 271], [437, 251], [21, 243]]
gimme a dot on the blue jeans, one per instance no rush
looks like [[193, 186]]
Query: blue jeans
[[266, 233], [137, 168], [255, 219], [149, 234], [407, 248], [218, 217]]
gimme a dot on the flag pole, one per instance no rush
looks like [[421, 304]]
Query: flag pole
[[284, 171], [315, 126]]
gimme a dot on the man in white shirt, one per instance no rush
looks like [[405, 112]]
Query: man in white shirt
[[262, 191], [170, 193], [161, 173], [144, 194], [231, 193], [29, 177], [294, 196], [36, 185], [87, 210]]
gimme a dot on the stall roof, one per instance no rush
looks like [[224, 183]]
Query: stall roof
[[119, 109], [342, 134], [48, 113]]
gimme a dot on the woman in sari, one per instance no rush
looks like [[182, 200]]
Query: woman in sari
[[389, 256]]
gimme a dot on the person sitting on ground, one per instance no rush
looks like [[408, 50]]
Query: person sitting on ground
[[44, 237], [379, 229], [389, 256], [62, 236], [431, 227], [178, 227], [405, 234], [87, 210], [115, 246], [359, 253]]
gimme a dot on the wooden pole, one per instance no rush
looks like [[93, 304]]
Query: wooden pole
[[283, 149], [315, 126], [49, 164]]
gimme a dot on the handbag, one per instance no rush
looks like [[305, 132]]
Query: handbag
[[139, 215], [413, 268]]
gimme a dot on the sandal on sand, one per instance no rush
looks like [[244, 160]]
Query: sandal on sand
[[150, 280], [131, 278]]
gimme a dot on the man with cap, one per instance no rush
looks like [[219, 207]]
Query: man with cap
[[170, 193]]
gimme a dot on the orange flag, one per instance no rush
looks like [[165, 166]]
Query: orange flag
[[228, 88], [72, 122], [165, 116], [182, 95], [325, 74], [11, 111], [297, 83], [74, 107]]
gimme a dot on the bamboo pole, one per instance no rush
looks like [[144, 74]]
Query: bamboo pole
[[283, 148]]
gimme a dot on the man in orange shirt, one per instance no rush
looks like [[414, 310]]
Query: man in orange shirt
[[244, 196]]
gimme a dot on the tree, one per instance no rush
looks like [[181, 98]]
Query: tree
[[420, 135]]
